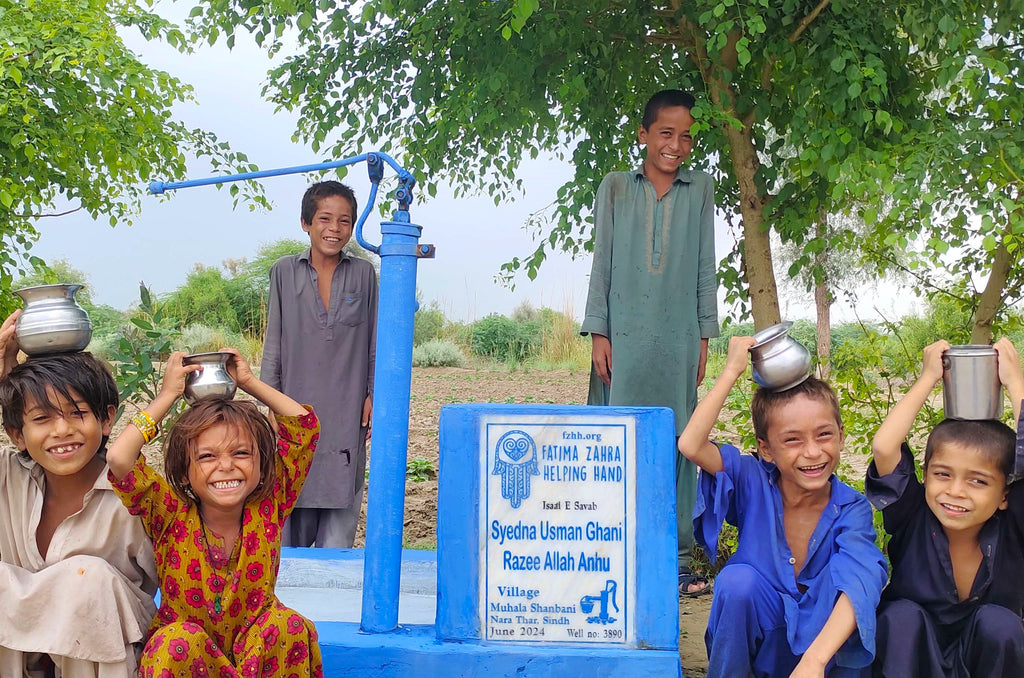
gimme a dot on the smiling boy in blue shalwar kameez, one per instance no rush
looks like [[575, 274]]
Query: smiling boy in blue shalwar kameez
[[798, 597]]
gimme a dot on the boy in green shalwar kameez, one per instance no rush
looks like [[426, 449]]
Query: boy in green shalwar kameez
[[652, 304]]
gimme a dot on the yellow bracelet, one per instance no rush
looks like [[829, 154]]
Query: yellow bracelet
[[147, 427]]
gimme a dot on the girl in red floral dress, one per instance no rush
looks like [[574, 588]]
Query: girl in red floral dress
[[216, 524]]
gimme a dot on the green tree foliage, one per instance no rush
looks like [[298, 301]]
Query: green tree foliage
[[83, 123], [797, 96], [952, 192], [203, 299], [248, 285]]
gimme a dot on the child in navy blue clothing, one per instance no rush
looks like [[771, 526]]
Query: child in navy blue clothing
[[954, 602], [798, 597]]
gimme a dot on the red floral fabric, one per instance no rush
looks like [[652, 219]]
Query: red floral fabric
[[251, 634]]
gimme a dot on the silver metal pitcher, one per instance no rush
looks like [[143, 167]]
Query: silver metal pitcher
[[213, 381], [970, 383], [52, 321], [779, 362]]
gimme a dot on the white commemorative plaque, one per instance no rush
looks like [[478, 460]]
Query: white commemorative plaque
[[558, 543]]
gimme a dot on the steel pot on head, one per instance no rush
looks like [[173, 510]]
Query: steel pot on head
[[52, 321], [213, 381], [779, 362], [970, 383]]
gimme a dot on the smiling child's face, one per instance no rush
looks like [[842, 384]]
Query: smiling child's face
[[224, 467], [62, 439], [331, 226], [963, 487], [668, 141], [804, 441]]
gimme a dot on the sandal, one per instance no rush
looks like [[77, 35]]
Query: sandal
[[687, 579]]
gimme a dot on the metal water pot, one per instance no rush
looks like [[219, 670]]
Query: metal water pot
[[779, 362], [970, 383], [52, 321], [213, 381]]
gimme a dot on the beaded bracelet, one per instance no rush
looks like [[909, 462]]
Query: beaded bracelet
[[147, 427]]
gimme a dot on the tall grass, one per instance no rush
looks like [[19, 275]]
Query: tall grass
[[199, 338], [561, 345]]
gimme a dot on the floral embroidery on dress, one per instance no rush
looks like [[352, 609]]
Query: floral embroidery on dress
[[231, 616]]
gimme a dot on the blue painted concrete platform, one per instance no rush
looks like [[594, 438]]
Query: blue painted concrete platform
[[325, 585]]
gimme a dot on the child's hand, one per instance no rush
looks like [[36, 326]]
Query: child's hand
[[367, 418], [175, 374], [238, 368], [9, 344], [1010, 375], [932, 369], [1009, 362], [739, 355]]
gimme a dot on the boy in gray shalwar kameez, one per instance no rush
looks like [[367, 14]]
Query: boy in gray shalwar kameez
[[319, 349]]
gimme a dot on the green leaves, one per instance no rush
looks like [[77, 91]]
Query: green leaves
[[137, 358], [887, 109], [83, 123]]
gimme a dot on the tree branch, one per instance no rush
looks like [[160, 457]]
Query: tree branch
[[806, 21], [664, 39], [45, 216], [699, 56], [15, 57], [769, 63], [913, 274]]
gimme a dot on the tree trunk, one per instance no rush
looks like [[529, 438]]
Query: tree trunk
[[991, 298], [757, 249], [823, 307], [823, 304]]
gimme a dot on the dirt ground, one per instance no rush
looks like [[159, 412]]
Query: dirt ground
[[434, 387]]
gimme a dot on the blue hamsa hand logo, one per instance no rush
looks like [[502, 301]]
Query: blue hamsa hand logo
[[515, 460]]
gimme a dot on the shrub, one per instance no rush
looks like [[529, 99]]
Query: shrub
[[203, 299], [105, 319], [249, 305], [427, 325], [504, 339], [944, 318], [525, 312], [459, 333], [137, 359], [199, 338], [437, 353], [103, 345]]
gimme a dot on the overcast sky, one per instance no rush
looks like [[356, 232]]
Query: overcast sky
[[199, 225]]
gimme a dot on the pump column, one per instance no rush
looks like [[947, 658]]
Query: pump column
[[399, 251]]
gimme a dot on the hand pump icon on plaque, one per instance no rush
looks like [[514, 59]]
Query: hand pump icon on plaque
[[604, 597]]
